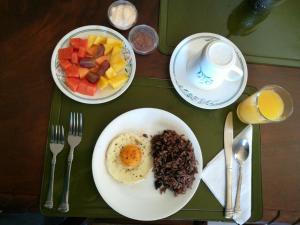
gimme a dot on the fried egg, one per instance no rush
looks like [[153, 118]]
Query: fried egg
[[128, 158]]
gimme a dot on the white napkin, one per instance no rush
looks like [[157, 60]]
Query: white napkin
[[214, 177]]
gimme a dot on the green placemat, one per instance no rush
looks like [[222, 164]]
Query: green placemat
[[208, 125], [269, 36]]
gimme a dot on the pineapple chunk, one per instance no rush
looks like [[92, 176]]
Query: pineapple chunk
[[110, 73], [118, 66], [118, 80], [108, 48], [99, 40], [91, 39], [116, 58], [116, 50], [114, 42], [102, 83]]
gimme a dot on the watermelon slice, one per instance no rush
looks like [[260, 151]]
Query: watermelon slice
[[78, 43], [64, 63], [87, 88], [72, 71], [74, 58], [81, 52], [72, 83], [65, 53]]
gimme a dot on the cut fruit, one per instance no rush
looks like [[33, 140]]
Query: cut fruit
[[108, 49], [95, 69], [92, 77], [92, 63], [119, 66], [82, 72], [72, 83], [117, 62], [64, 63], [101, 59], [100, 51], [102, 83], [78, 43], [81, 52], [103, 67], [91, 39], [110, 73], [87, 88], [87, 62], [72, 71], [99, 40], [65, 53], [118, 58], [114, 42], [92, 50], [118, 80], [74, 58], [116, 50]]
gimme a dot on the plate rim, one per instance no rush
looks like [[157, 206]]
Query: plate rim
[[92, 101], [178, 90], [199, 167]]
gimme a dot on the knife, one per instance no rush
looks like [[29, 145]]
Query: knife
[[228, 140]]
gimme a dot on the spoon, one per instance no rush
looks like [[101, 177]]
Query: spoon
[[241, 153]]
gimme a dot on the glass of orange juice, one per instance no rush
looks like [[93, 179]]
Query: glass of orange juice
[[270, 104]]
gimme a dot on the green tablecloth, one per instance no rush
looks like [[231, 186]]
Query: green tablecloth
[[268, 36], [208, 125]]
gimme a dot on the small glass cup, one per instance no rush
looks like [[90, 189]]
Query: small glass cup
[[270, 104], [121, 21], [143, 39]]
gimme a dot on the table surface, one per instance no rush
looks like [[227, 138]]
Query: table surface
[[30, 31]]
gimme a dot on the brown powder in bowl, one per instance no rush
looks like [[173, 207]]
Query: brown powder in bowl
[[143, 39]]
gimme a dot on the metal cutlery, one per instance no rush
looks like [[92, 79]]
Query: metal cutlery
[[57, 141], [74, 138], [228, 141], [241, 153]]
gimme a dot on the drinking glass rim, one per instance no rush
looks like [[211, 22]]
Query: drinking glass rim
[[269, 87]]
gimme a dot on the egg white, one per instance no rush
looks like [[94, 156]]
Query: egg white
[[116, 168]]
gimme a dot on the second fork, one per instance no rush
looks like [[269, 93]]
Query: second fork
[[74, 138]]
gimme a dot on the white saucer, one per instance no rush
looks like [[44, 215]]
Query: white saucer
[[222, 96]]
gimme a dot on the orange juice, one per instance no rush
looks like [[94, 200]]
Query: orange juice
[[262, 107], [270, 104]]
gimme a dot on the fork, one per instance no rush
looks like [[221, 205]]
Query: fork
[[57, 141], [74, 138]]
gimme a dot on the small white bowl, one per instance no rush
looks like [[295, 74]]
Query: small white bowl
[[117, 3]]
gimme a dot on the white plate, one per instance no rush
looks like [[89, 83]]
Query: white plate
[[141, 201], [101, 96], [217, 98]]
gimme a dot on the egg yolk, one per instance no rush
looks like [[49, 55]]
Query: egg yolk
[[131, 155]]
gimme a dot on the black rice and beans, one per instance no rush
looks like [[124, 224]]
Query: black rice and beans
[[174, 163]]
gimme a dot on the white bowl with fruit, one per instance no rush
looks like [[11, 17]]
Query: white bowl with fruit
[[93, 64]]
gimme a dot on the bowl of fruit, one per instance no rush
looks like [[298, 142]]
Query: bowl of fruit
[[93, 64]]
